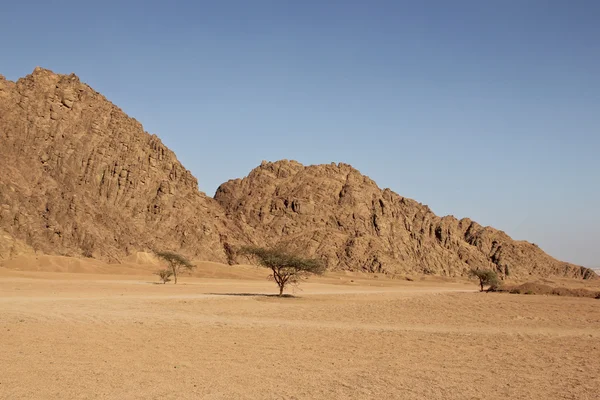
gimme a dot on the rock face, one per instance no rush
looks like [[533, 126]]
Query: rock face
[[334, 212], [80, 178]]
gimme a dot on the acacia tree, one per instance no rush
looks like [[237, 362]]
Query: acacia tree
[[176, 263], [287, 269], [486, 278]]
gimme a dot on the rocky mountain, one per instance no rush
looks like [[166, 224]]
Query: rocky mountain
[[81, 178], [335, 212]]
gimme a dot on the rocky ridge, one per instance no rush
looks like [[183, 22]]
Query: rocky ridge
[[81, 178], [335, 212]]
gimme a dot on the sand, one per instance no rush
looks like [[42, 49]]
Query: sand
[[90, 333]]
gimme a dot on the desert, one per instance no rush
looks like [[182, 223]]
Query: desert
[[83, 329], [88, 199], [297, 200]]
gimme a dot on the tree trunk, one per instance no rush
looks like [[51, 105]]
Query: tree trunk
[[175, 275], [480, 284], [280, 290]]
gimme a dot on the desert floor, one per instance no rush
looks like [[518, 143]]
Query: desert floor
[[82, 335]]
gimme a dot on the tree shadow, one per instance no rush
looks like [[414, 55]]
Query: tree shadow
[[289, 296]]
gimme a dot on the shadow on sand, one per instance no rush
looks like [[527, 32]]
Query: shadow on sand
[[253, 295]]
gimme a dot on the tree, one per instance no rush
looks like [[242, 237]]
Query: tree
[[165, 275], [486, 278], [287, 269], [176, 263]]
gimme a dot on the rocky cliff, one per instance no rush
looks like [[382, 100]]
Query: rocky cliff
[[81, 178], [335, 212]]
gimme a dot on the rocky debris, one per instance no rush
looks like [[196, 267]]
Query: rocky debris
[[335, 212], [81, 178]]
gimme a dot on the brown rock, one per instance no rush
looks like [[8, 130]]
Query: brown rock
[[80, 178], [333, 211]]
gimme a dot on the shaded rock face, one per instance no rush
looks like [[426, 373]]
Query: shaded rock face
[[81, 178], [333, 211], [78, 177]]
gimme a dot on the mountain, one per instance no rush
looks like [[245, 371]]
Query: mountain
[[335, 212], [81, 178]]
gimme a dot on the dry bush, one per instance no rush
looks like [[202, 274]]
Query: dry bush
[[164, 275], [541, 289], [486, 278]]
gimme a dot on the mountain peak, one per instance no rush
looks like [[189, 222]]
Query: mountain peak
[[81, 178]]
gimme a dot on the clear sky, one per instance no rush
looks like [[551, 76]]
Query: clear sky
[[486, 109]]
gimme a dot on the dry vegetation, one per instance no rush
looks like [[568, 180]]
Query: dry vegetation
[[548, 290]]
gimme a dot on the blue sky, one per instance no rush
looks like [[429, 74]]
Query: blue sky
[[486, 109]]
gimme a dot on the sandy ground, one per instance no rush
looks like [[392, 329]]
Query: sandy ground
[[217, 336]]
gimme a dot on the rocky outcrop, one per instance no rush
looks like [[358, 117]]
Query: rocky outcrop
[[81, 178], [335, 212]]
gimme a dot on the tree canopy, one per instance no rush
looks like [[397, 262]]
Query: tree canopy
[[176, 262], [287, 268]]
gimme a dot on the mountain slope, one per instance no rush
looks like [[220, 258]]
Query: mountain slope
[[79, 177], [334, 212]]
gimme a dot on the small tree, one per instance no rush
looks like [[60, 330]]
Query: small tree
[[486, 278], [165, 275], [176, 263], [287, 269]]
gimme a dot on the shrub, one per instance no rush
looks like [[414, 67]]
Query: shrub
[[547, 290], [164, 275], [486, 278]]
